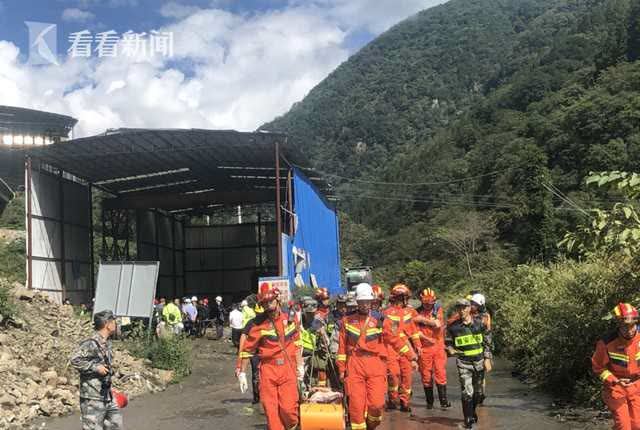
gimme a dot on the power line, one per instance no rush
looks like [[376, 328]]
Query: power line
[[408, 184]]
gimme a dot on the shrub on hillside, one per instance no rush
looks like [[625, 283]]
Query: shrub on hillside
[[548, 318], [7, 307]]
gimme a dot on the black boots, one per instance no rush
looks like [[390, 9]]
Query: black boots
[[256, 392], [468, 412], [442, 395], [428, 392]]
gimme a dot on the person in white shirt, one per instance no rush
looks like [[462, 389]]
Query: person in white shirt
[[236, 324]]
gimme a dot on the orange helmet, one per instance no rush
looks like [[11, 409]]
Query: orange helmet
[[428, 296], [626, 313], [266, 293], [400, 290], [377, 291], [322, 294]]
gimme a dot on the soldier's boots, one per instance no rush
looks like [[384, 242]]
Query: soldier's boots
[[405, 408], [467, 411], [442, 395], [428, 392]]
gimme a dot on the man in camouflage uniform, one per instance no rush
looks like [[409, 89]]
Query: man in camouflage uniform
[[93, 360]]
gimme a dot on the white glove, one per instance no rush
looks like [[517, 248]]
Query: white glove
[[301, 373], [242, 379]]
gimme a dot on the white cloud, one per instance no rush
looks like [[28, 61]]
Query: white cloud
[[76, 15], [229, 71]]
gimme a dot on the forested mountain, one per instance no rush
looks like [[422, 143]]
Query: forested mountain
[[468, 129]]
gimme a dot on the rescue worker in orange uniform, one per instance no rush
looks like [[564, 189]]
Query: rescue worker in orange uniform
[[617, 362], [399, 368], [379, 297], [433, 359], [363, 341], [274, 337]]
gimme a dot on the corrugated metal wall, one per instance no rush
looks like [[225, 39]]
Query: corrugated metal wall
[[58, 216]]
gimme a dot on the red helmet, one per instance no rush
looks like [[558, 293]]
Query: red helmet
[[266, 293], [400, 290], [428, 296], [626, 313], [377, 291], [120, 398], [322, 294]]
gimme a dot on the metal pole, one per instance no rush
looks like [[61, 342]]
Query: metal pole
[[278, 215], [260, 243], [29, 226], [63, 259], [292, 218], [91, 252]]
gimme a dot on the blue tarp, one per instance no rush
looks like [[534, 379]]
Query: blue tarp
[[314, 248]]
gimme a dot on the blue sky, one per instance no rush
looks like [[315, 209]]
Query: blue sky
[[237, 63]]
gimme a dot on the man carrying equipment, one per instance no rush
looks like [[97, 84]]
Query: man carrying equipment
[[94, 361], [433, 359], [274, 338], [363, 342]]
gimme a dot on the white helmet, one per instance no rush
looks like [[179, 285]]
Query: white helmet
[[194, 299], [244, 303], [478, 299], [218, 299], [364, 292]]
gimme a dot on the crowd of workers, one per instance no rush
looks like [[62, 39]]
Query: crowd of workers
[[361, 348], [364, 349], [190, 316]]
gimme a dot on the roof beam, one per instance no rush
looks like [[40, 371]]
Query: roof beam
[[183, 201]]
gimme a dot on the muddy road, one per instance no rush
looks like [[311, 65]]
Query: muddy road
[[210, 399]]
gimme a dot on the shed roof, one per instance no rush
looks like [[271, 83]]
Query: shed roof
[[140, 164], [28, 121]]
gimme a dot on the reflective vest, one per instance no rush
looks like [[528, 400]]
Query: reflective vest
[[171, 314], [468, 340], [307, 339], [247, 315]]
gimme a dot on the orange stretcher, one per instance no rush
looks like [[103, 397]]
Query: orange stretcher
[[321, 416]]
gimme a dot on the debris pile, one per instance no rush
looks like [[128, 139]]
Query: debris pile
[[35, 347]]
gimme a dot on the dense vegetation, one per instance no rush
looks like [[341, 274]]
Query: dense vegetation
[[497, 107], [458, 144]]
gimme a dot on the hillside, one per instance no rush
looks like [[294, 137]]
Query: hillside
[[468, 114]]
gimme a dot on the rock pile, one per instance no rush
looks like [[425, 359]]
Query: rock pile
[[37, 379]]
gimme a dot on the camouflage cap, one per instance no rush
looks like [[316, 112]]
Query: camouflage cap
[[463, 303], [309, 305], [102, 317]]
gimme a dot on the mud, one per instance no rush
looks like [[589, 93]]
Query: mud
[[209, 398]]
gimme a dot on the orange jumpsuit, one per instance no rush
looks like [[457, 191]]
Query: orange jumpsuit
[[362, 346], [278, 381], [615, 358], [433, 359], [398, 367]]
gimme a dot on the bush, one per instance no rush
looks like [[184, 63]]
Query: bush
[[7, 307], [548, 318], [168, 353], [171, 353], [13, 260]]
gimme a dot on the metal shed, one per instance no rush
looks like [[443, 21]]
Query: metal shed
[[155, 181]]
